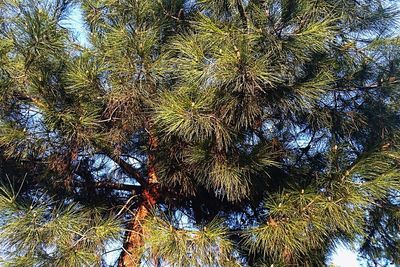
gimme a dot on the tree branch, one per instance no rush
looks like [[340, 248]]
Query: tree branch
[[128, 169], [112, 185], [242, 12], [125, 166]]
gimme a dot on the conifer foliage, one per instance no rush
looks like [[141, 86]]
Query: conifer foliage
[[199, 133]]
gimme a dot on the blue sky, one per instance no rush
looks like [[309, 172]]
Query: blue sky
[[344, 257]]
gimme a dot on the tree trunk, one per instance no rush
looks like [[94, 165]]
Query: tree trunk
[[130, 256]]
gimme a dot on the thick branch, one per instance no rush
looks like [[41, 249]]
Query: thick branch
[[127, 168], [118, 186], [242, 12], [112, 185], [87, 175]]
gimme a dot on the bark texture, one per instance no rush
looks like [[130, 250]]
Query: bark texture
[[130, 256]]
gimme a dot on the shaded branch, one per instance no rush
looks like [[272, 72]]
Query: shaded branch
[[125, 166], [112, 185], [128, 169], [242, 12]]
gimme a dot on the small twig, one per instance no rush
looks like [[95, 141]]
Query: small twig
[[126, 205], [111, 115]]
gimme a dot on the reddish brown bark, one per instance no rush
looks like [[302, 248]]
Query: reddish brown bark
[[130, 256]]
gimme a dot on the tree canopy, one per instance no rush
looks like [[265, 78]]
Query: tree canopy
[[199, 133]]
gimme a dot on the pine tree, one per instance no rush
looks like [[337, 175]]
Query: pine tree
[[199, 133]]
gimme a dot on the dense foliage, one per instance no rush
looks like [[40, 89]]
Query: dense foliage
[[199, 133]]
